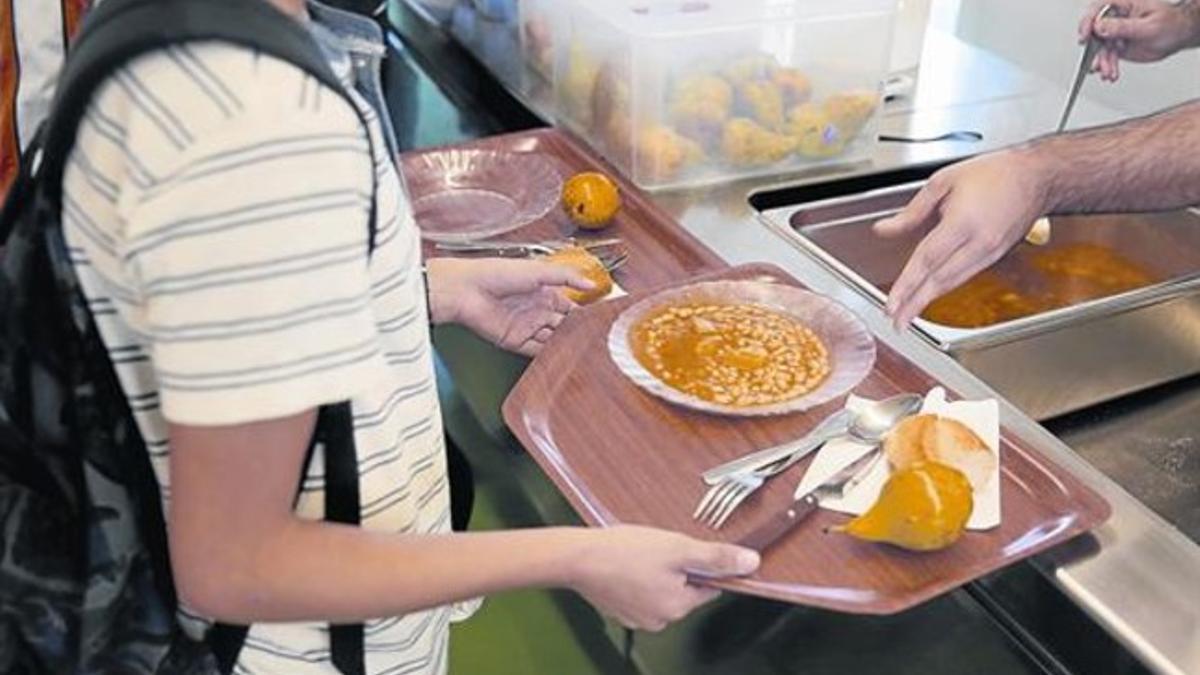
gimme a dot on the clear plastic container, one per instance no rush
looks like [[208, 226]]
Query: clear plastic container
[[540, 22], [488, 29], [688, 92]]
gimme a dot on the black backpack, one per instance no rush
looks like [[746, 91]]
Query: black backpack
[[85, 578]]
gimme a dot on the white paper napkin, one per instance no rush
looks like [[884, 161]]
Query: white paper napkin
[[982, 417], [616, 292]]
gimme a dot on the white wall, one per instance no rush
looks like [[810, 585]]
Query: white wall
[[1039, 36]]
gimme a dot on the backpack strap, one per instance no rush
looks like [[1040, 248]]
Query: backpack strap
[[335, 433], [118, 31], [115, 33], [342, 506]]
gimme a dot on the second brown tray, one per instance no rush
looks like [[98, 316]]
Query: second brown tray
[[622, 456], [660, 250]]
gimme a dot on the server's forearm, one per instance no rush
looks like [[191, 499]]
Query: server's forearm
[[1147, 164]]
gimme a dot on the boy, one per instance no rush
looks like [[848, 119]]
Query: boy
[[216, 209]]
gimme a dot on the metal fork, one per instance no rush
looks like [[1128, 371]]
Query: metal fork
[[722, 499], [614, 261], [525, 249]]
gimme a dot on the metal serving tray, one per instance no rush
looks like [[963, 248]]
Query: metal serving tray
[[1057, 361]]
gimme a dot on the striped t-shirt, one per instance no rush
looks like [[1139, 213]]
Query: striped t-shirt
[[216, 210]]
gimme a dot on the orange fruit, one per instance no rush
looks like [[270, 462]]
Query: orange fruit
[[591, 199], [591, 267]]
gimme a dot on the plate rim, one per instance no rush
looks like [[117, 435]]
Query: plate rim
[[553, 196], [621, 354]]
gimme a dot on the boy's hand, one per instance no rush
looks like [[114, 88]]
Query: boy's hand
[[515, 304], [639, 575], [1142, 31]]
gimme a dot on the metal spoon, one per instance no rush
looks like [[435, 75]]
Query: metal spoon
[[1039, 233], [874, 422], [868, 425]]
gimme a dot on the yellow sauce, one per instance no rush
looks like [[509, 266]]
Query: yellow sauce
[[1064, 276], [738, 355]]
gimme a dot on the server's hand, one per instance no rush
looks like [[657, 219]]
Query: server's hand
[[977, 211], [1141, 31]]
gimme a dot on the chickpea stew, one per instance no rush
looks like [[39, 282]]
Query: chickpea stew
[[740, 355]]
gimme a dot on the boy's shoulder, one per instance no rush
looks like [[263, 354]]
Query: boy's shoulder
[[179, 96]]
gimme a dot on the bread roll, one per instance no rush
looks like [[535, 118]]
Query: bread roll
[[952, 443], [591, 267], [904, 445], [940, 439]]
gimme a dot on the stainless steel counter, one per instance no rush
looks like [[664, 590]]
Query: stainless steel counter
[[1138, 576], [1143, 582]]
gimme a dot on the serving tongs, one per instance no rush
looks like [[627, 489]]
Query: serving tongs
[[1039, 234], [1090, 49]]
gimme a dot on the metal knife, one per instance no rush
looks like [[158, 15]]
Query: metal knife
[[523, 249], [516, 250], [769, 533]]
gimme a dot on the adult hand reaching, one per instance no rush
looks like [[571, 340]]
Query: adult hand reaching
[[515, 304], [977, 210], [1141, 31]]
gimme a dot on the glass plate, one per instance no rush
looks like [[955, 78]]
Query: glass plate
[[465, 195], [851, 346]]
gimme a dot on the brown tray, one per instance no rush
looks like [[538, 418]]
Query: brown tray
[[622, 456], [661, 250]]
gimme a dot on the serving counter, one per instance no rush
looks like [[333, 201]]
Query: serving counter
[[1124, 599]]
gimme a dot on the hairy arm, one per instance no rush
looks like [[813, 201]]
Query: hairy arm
[[1148, 164], [978, 209]]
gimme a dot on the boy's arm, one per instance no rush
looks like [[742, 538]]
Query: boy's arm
[[241, 555]]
